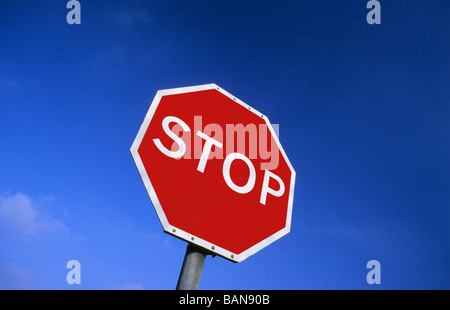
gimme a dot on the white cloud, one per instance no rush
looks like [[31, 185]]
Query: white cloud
[[13, 276], [157, 239], [346, 232], [127, 18], [9, 83], [23, 216]]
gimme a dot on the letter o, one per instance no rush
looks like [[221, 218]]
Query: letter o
[[226, 173]]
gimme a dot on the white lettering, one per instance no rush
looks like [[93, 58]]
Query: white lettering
[[179, 148], [182, 146], [206, 150], [245, 299], [199, 300], [267, 190], [226, 173]]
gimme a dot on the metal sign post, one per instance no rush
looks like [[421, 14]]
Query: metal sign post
[[222, 217], [192, 268]]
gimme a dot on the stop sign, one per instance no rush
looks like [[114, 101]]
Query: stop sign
[[215, 171]]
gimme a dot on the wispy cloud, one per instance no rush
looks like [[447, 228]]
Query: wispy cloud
[[13, 276], [344, 232], [157, 239], [22, 216], [131, 17], [9, 83]]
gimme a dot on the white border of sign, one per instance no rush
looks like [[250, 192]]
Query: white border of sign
[[154, 198]]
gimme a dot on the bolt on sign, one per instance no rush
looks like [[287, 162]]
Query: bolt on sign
[[215, 171]]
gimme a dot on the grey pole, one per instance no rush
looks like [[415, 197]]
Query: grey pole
[[192, 268]]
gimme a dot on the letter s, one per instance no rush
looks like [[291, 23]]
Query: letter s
[[182, 146]]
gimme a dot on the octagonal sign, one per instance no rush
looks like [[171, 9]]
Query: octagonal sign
[[215, 171]]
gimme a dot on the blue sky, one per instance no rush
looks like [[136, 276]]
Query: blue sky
[[363, 113]]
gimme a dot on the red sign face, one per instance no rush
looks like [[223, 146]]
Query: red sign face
[[215, 171]]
